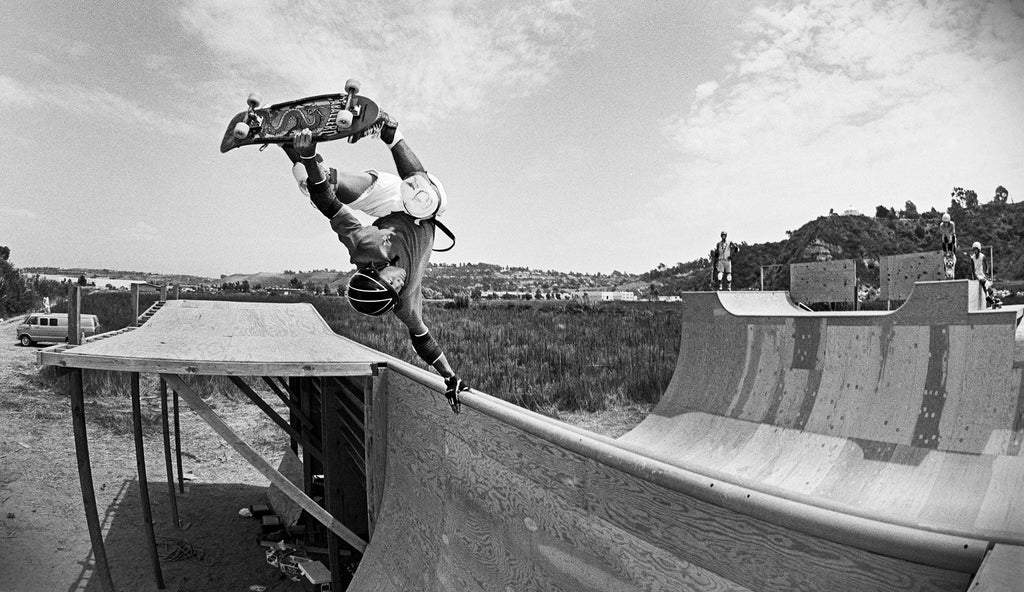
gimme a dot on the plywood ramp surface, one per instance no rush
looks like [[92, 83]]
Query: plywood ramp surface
[[213, 337], [498, 499], [913, 417]]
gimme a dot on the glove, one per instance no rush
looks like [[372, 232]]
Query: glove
[[452, 387]]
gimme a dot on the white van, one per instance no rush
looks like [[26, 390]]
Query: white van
[[53, 327]]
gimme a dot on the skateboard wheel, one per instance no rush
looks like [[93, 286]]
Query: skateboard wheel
[[352, 85], [344, 119], [241, 130], [254, 100]]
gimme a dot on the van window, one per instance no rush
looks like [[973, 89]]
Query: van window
[[53, 322], [33, 321]]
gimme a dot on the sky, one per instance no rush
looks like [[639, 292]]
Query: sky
[[572, 136]]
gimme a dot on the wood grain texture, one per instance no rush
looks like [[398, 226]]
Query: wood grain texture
[[898, 273], [911, 417], [1002, 571], [823, 281], [472, 503], [205, 337]]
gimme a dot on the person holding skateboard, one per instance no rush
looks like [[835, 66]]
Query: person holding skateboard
[[393, 253], [947, 230], [980, 268]]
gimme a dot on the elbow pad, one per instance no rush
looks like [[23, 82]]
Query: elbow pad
[[426, 348]]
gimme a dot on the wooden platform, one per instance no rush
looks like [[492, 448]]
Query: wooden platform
[[223, 338]]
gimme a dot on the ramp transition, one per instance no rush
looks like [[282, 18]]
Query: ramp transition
[[791, 451]]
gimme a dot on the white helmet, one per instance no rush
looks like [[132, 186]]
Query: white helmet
[[423, 196], [976, 245], [945, 217]]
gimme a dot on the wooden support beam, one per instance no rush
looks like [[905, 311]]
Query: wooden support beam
[[349, 390], [92, 519], [166, 428], [135, 305], [177, 443], [261, 464], [287, 400], [140, 461], [75, 315], [274, 416]]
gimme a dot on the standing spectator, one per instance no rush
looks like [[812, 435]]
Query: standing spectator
[[980, 268], [724, 251]]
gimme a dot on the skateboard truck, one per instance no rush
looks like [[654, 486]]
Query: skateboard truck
[[252, 121]]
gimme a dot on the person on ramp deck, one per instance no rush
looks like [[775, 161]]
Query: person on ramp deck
[[393, 253]]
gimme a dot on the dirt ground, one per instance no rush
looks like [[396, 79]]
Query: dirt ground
[[44, 540]]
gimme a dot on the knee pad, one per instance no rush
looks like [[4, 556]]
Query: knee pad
[[720, 275], [426, 348], [728, 277]]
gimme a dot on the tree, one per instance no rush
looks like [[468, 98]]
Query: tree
[[82, 281], [5, 253], [881, 212], [910, 211], [1002, 195]]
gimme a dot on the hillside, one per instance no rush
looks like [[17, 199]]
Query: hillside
[[999, 225], [865, 238]]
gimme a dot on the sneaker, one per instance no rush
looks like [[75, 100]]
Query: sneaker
[[384, 128], [452, 387]]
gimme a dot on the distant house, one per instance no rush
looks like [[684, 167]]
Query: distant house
[[606, 295], [852, 211], [147, 288]]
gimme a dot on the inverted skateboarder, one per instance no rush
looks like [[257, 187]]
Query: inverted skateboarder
[[393, 253]]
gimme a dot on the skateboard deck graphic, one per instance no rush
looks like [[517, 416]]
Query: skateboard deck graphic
[[949, 263], [329, 117]]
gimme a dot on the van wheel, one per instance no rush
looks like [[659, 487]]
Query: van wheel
[[26, 340]]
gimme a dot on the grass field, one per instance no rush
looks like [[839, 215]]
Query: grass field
[[543, 355]]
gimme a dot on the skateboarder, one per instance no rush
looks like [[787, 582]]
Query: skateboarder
[[723, 253], [392, 255], [947, 230], [979, 265]]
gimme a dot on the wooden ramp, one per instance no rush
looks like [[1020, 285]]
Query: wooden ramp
[[792, 451], [912, 419]]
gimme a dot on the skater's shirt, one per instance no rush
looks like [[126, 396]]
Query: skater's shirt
[[395, 235], [947, 228]]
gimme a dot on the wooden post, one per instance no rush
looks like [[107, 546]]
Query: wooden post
[[75, 314], [167, 453], [92, 519], [177, 442], [177, 291], [163, 292], [140, 461], [135, 305]]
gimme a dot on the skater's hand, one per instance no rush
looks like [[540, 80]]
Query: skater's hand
[[304, 145]]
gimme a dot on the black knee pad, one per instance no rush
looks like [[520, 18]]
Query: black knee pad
[[427, 349]]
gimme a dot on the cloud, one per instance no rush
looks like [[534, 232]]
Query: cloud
[[424, 59], [17, 214], [90, 104], [15, 94], [139, 231], [827, 104]]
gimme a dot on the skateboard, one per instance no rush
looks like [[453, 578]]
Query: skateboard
[[329, 117], [949, 263]]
